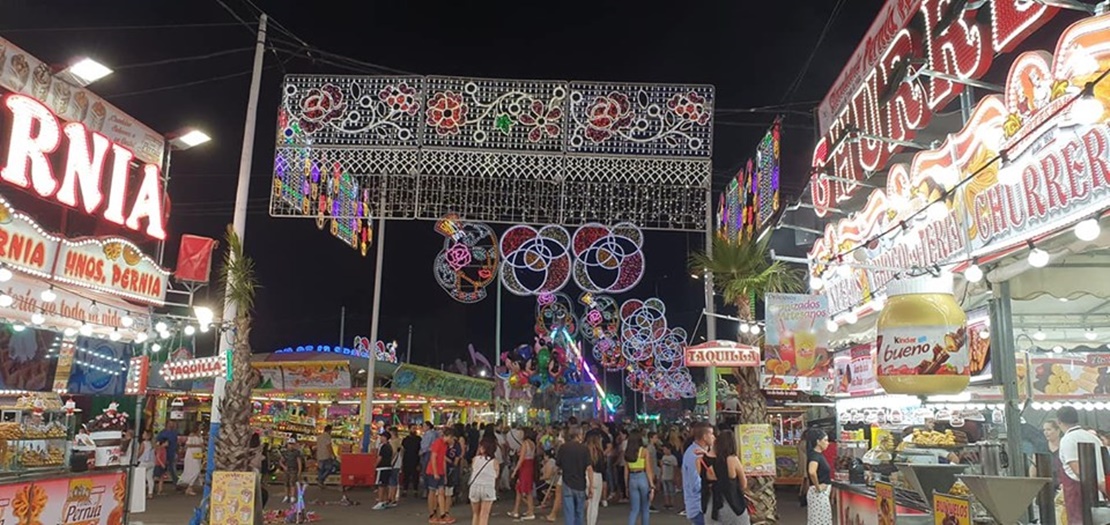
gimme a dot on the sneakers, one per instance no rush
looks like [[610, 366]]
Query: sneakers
[[653, 510], [391, 504], [286, 499], [528, 517], [604, 503], [513, 515], [380, 506], [682, 512]]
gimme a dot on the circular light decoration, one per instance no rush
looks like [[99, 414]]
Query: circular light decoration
[[643, 324], [654, 351], [468, 261], [600, 326], [608, 259], [554, 311], [534, 261]]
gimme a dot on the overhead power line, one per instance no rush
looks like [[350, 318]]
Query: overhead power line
[[115, 28], [190, 58], [816, 47]]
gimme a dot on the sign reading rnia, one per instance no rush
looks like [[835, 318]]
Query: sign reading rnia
[[33, 137]]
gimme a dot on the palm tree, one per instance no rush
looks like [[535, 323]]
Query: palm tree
[[233, 444], [743, 272]]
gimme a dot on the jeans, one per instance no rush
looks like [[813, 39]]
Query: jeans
[[639, 495], [326, 468], [574, 506]]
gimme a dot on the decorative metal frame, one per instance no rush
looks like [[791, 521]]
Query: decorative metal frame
[[491, 150]]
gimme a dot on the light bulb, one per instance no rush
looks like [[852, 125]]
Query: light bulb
[[832, 326], [1039, 335], [1009, 174], [165, 335], [816, 283], [48, 295], [973, 273], [86, 329], [5, 274], [160, 326], [851, 317], [6, 300], [70, 331], [1057, 349], [37, 318], [18, 327], [744, 328], [984, 334], [1038, 258], [1090, 334], [1087, 109], [756, 329], [155, 347], [140, 337], [877, 302], [114, 335], [844, 271], [126, 321], [937, 211], [94, 309], [189, 330], [992, 137], [1088, 229]]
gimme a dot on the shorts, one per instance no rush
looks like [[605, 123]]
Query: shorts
[[395, 478], [668, 487], [434, 482], [483, 492], [386, 478], [159, 472], [290, 479]]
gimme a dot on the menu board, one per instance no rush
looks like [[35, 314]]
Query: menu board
[[234, 497], [757, 449]]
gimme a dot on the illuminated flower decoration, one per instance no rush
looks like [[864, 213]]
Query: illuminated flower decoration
[[690, 107], [320, 106], [535, 261], [593, 317], [468, 262], [446, 112], [607, 116], [545, 298], [554, 311], [400, 98], [543, 120], [608, 259], [458, 256]]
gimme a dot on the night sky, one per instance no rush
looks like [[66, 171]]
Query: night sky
[[751, 51]]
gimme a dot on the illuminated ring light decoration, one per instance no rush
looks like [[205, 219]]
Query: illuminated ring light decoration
[[670, 351], [554, 311], [535, 262], [643, 324], [607, 259], [468, 261], [607, 351]]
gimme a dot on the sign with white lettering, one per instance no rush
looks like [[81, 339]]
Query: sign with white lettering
[[722, 353], [84, 176], [875, 95], [213, 366], [68, 310], [112, 265], [24, 245], [1057, 175]]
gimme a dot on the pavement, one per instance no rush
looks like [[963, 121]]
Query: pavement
[[177, 509]]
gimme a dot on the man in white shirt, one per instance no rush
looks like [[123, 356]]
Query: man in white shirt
[[1069, 456]]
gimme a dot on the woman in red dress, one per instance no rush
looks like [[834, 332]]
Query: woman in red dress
[[525, 473]]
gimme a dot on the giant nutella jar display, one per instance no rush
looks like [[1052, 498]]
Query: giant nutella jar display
[[922, 338]]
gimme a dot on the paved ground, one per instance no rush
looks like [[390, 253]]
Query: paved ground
[[177, 509]]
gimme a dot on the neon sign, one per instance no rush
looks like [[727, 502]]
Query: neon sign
[[34, 134], [881, 95], [1063, 162]]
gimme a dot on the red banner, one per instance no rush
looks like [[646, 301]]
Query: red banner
[[194, 259]]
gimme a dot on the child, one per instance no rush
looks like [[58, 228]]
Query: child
[[292, 462], [161, 465], [669, 463]]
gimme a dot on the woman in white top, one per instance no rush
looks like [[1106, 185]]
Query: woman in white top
[[483, 481], [146, 462], [194, 455]]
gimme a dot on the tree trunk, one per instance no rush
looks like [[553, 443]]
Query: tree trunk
[[753, 411], [233, 451]]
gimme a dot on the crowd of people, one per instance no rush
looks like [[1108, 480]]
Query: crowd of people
[[569, 468]]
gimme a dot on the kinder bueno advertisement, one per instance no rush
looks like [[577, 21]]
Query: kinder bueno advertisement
[[923, 351], [796, 346]]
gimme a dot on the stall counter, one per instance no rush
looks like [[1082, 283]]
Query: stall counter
[[96, 496], [855, 505]]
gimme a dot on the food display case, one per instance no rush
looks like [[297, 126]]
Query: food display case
[[35, 432]]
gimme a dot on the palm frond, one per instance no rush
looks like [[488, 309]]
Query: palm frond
[[744, 267], [237, 278]]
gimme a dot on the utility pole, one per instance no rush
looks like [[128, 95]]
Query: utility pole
[[408, 347], [239, 226], [343, 324], [710, 319], [368, 411]]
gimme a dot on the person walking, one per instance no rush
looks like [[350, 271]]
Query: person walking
[[525, 473], [436, 481], [146, 462], [384, 471], [819, 508], [597, 477], [411, 463], [483, 481], [172, 438], [730, 505], [194, 456], [639, 473], [573, 460], [692, 464], [326, 464]]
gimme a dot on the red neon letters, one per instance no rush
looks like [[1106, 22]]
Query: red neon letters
[[35, 134]]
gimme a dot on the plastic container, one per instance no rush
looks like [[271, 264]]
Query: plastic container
[[922, 338]]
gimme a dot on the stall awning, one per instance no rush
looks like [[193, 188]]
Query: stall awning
[[429, 382]]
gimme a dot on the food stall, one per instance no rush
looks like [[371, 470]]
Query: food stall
[[952, 247]]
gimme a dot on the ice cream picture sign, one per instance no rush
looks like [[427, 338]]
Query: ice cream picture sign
[[80, 169]]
